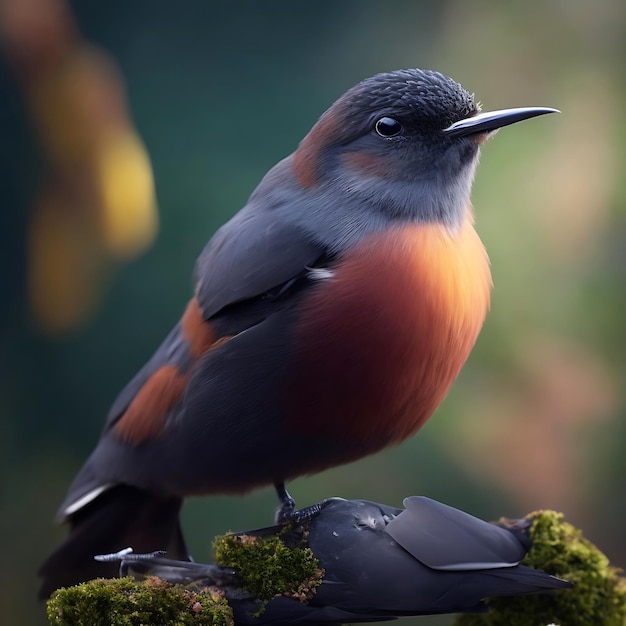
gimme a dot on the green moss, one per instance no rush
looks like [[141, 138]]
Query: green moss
[[268, 567], [124, 602], [599, 595]]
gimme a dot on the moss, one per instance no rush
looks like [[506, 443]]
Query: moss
[[124, 602], [268, 567], [599, 595]]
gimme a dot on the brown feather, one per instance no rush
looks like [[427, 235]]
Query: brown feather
[[144, 419], [196, 330], [306, 159]]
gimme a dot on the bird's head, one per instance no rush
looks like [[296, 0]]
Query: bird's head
[[402, 144]]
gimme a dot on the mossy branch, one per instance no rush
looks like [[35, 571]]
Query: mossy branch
[[126, 602], [598, 596], [268, 567]]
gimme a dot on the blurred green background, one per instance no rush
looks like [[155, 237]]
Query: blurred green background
[[220, 91]]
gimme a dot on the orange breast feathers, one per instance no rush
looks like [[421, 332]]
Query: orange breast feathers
[[380, 342]]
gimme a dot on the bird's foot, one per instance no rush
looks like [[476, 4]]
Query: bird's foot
[[309, 512], [129, 555], [287, 512], [287, 507]]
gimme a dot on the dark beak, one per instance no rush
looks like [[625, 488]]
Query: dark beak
[[485, 122]]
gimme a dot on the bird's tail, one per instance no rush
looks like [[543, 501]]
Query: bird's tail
[[121, 517], [521, 580]]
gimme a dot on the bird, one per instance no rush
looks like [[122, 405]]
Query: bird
[[329, 318], [379, 562]]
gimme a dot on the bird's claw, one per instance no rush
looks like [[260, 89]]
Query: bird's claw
[[299, 516], [287, 512], [287, 508]]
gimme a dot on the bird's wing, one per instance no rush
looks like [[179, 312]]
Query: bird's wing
[[249, 255], [246, 258], [171, 352], [445, 538]]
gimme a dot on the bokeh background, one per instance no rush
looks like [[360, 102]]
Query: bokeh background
[[108, 110]]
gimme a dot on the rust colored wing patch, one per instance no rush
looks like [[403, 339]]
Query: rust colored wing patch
[[144, 418], [196, 330]]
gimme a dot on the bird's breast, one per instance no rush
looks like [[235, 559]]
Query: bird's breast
[[378, 344]]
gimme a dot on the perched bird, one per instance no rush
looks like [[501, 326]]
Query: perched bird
[[329, 319], [378, 562]]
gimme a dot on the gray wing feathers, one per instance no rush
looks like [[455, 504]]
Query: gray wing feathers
[[445, 538], [249, 255], [245, 258]]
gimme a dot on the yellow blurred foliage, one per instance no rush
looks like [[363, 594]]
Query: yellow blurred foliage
[[76, 102], [62, 266], [97, 204], [125, 187]]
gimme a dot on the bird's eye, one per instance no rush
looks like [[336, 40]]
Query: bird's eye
[[388, 127]]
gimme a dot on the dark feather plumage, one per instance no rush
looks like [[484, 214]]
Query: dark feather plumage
[[369, 575]]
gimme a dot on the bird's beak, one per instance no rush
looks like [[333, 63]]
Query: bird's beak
[[492, 120]]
